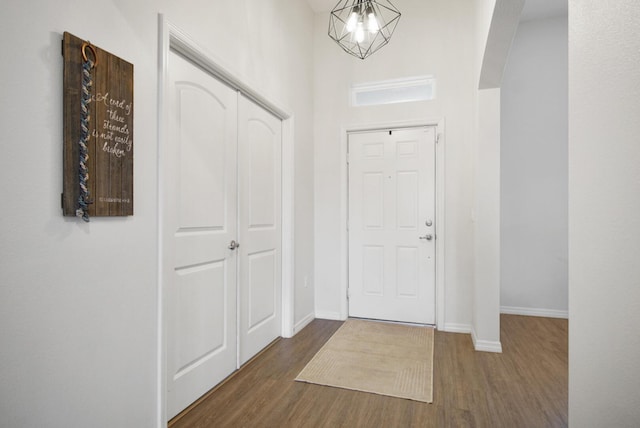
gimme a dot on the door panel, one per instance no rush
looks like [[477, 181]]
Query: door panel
[[391, 197], [407, 265], [260, 283], [261, 288], [200, 306], [202, 115], [406, 201], [373, 200], [199, 212], [373, 270]]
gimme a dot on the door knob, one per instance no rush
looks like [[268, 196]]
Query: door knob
[[428, 237], [233, 245]]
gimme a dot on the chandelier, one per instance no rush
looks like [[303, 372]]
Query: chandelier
[[361, 27]]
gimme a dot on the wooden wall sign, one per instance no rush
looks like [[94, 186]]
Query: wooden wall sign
[[109, 120]]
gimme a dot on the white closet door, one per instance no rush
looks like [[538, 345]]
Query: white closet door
[[260, 282], [198, 221], [392, 225]]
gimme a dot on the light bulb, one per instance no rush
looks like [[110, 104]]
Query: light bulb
[[360, 32], [372, 23], [352, 21]]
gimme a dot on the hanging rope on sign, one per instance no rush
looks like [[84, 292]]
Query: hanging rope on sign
[[85, 117]]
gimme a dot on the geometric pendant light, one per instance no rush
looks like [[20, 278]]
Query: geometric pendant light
[[361, 27]]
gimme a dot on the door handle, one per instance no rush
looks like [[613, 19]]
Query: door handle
[[233, 245], [428, 237]]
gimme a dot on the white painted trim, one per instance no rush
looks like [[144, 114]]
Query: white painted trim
[[344, 218], [172, 38], [161, 361], [456, 328], [326, 315], [303, 323], [485, 345], [440, 221], [439, 123], [534, 312], [182, 43], [288, 217]]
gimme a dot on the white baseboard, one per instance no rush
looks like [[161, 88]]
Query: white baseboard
[[534, 312], [457, 328], [337, 316], [485, 345], [303, 323]]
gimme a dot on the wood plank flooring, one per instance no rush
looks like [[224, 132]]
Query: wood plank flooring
[[525, 386]]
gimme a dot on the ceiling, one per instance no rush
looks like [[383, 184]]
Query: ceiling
[[538, 9], [533, 9]]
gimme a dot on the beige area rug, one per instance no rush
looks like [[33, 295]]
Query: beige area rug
[[382, 358]]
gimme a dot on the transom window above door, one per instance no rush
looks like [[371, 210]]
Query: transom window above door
[[421, 88]]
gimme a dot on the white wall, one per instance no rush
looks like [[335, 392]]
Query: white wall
[[495, 26], [78, 301], [434, 37], [534, 199], [604, 202], [486, 292], [484, 10], [494, 38]]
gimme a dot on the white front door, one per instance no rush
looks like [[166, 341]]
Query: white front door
[[259, 143], [392, 225], [198, 221]]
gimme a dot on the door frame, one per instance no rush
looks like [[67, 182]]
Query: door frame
[[171, 37], [439, 124]]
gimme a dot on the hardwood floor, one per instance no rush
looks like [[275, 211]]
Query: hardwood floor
[[525, 386]]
